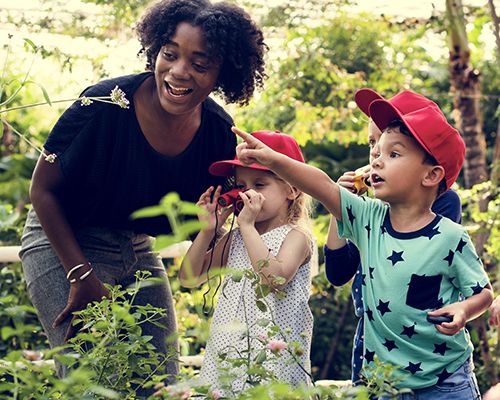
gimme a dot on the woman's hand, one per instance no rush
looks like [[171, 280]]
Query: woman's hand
[[253, 202], [81, 293], [216, 216]]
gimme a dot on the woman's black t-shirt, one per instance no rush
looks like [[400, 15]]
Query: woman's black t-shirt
[[110, 170]]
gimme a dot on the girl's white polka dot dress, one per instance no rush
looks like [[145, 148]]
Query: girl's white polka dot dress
[[237, 304]]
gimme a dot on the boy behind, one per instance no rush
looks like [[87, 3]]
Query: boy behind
[[415, 263]]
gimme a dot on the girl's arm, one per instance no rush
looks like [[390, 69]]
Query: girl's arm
[[294, 251], [196, 262]]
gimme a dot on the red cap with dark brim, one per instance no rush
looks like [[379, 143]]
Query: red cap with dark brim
[[364, 97], [280, 142], [428, 126]]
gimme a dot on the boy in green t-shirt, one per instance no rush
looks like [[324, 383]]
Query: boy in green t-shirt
[[416, 264]]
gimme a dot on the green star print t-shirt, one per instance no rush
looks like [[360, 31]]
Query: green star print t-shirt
[[404, 276]]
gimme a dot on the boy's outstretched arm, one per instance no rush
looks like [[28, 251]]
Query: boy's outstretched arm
[[306, 178], [464, 311]]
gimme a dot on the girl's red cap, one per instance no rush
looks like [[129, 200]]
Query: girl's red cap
[[280, 142]]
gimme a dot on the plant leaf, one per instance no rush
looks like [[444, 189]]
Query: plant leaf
[[148, 212], [261, 305], [33, 45]]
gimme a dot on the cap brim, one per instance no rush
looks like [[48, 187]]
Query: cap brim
[[226, 168], [364, 97], [383, 113]]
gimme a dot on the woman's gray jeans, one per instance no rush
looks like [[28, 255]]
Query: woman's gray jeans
[[115, 256]]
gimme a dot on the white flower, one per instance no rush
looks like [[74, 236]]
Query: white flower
[[51, 158], [118, 97], [86, 101]]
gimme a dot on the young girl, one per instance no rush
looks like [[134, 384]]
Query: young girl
[[272, 227]]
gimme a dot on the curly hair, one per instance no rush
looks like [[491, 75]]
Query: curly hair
[[231, 36]]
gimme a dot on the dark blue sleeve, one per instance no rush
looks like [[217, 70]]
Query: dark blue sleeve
[[341, 264], [449, 205]]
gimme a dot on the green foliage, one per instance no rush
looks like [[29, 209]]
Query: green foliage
[[483, 224], [20, 328], [312, 82], [109, 357], [172, 207], [15, 178], [378, 381], [315, 80], [479, 221], [111, 344], [334, 328]]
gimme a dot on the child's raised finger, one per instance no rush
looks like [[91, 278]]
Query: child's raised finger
[[248, 138], [205, 195], [217, 193]]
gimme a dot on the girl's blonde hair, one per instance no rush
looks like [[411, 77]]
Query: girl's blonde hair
[[299, 216], [299, 209], [299, 212]]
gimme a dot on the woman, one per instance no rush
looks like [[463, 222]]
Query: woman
[[111, 161]]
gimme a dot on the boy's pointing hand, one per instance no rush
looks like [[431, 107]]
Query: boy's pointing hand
[[252, 150]]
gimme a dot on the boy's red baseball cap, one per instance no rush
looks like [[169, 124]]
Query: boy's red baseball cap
[[365, 96], [429, 127], [276, 140]]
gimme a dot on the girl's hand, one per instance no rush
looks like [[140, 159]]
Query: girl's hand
[[216, 215], [347, 181], [459, 318], [80, 295], [253, 202]]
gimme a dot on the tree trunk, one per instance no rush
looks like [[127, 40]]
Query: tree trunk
[[466, 90], [495, 171], [466, 94]]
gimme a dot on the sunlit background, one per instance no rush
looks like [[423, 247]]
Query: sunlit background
[[82, 37]]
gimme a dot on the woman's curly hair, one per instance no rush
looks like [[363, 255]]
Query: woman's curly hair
[[231, 35]]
